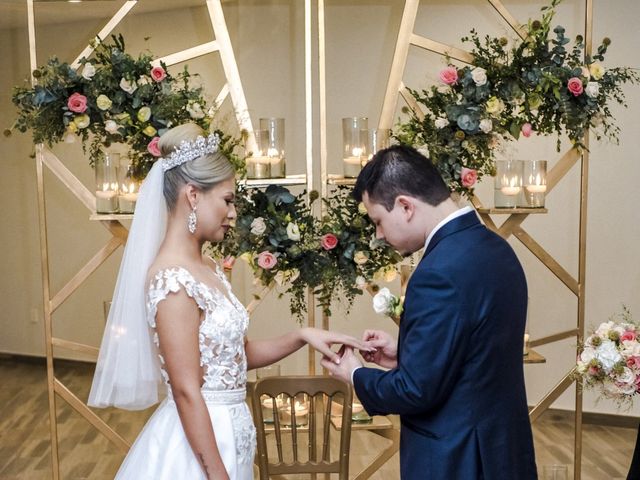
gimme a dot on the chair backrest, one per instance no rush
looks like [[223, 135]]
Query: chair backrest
[[296, 411]]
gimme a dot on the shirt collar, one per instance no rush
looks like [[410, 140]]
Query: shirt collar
[[456, 214]]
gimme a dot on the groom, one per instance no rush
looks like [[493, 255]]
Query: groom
[[455, 375]]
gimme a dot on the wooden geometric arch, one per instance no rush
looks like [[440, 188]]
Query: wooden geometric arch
[[513, 224], [46, 158]]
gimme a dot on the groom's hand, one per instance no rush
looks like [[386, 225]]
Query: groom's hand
[[383, 349], [343, 370], [323, 340]]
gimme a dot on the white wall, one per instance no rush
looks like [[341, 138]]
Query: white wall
[[268, 38]]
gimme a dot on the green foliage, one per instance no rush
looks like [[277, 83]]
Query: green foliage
[[538, 84], [126, 101]]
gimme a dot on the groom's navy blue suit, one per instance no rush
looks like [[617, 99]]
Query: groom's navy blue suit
[[459, 384]]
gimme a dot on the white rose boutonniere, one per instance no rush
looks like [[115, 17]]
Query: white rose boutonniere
[[386, 303]]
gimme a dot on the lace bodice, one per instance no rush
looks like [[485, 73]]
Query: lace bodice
[[221, 333]]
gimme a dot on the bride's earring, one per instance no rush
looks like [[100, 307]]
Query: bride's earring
[[192, 221]]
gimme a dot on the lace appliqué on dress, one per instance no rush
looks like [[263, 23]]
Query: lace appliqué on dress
[[244, 432], [221, 333]]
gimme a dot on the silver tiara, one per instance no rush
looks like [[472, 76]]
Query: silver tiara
[[187, 151]]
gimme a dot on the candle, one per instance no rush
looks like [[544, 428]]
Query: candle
[[106, 198], [128, 197], [510, 190], [353, 163], [267, 408], [259, 166], [301, 411]]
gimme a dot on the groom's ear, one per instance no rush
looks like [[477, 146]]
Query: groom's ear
[[407, 206]]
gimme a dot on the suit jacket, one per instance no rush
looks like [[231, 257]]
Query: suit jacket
[[459, 384]]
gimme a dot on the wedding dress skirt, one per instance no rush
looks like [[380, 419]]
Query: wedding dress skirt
[[162, 452]]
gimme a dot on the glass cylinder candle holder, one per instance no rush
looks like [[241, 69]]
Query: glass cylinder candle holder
[[534, 182], [275, 147], [106, 169], [353, 145], [376, 140], [128, 188], [508, 183], [259, 163]]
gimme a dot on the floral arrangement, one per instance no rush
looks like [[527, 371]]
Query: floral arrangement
[[610, 359], [536, 85], [386, 303], [354, 256], [113, 97], [277, 234]]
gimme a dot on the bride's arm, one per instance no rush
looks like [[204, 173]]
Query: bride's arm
[[177, 323], [265, 352]]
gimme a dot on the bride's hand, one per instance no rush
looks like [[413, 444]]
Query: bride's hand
[[322, 340]]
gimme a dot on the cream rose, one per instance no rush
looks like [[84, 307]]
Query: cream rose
[[103, 102], [441, 122], [494, 106], [258, 226], [597, 70], [360, 257], [82, 121], [111, 126], [486, 125], [144, 114]]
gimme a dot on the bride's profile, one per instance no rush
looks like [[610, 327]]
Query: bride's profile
[[175, 326]]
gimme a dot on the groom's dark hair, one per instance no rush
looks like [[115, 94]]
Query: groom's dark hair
[[400, 170]]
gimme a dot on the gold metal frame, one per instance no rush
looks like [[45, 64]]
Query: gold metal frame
[[512, 226]]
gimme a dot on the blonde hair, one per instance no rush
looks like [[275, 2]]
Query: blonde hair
[[204, 172]]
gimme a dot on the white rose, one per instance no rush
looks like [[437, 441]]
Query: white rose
[[607, 354], [382, 301], [293, 232], [280, 278], [486, 125], [592, 89], [603, 329], [293, 274], [111, 126], [195, 110], [441, 122], [423, 150], [587, 355], [360, 281], [88, 71], [627, 381], [144, 80], [479, 76], [128, 86], [258, 226]]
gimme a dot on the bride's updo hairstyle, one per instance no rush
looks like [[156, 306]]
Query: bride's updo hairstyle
[[204, 172]]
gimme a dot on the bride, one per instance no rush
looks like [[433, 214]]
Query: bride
[[175, 320]]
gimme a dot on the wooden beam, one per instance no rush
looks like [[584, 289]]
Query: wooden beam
[[441, 48], [106, 30], [510, 19], [187, 54], [551, 396]]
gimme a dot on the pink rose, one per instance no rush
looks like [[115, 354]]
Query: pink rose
[[575, 86], [329, 241], [526, 129], [153, 148], [449, 75], [228, 262], [158, 74], [628, 335], [469, 176], [593, 371], [267, 260], [77, 103]]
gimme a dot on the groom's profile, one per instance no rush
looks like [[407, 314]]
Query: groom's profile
[[455, 374]]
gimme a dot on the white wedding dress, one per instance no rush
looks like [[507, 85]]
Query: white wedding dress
[[161, 451]]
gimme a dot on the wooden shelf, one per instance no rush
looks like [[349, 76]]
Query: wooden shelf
[[511, 211], [265, 182], [333, 179], [111, 216], [534, 357]]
